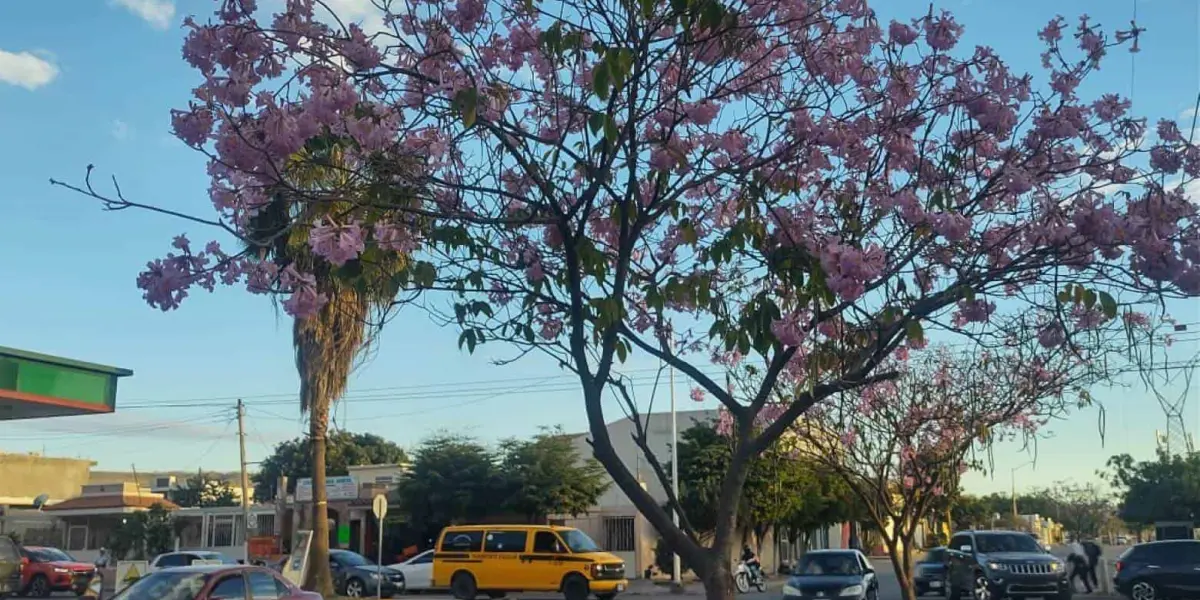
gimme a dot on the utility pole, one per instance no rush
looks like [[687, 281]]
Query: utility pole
[[241, 419], [675, 563]]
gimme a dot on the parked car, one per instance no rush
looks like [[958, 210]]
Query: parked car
[[1156, 570], [930, 572], [990, 565], [213, 582], [474, 560], [356, 576], [11, 565], [418, 572], [844, 574], [185, 558], [51, 570]]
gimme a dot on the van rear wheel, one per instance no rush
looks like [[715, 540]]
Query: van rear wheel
[[575, 587], [463, 587]]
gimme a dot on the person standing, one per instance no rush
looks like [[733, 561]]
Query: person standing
[[1078, 559], [1092, 550]]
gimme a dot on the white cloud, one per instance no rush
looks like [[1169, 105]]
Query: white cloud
[[26, 69], [120, 130], [158, 13]]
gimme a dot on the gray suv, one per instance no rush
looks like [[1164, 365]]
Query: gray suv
[[990, 565]]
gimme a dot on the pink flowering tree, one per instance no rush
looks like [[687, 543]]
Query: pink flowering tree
[[795, 188], [901, 446]]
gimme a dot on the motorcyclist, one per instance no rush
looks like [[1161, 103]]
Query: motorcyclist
[[751, 561]]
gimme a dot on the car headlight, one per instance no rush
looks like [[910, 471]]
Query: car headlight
[[60, 570], [854, 590], [790, 590], [373, 575], [995, 566], [1056, 567]]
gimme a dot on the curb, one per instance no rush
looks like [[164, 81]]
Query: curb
[[693, 588]]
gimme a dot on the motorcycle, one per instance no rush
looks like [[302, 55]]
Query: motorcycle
[[744, 577]]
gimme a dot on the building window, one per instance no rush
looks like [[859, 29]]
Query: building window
[[77, 537], [618, 534], [221, 531], [265, 524]]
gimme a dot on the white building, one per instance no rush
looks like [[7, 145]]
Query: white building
[[617, 525]]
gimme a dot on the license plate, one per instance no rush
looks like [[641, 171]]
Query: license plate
[[935, 584], [820, 594], [620, 587]]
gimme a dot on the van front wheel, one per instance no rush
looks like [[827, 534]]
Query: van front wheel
[[575, 587], [463, 587]]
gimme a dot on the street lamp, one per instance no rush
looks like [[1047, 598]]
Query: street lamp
[[1014, 487], [675, 562]]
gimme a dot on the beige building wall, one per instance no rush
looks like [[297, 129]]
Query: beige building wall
[[24, 477]]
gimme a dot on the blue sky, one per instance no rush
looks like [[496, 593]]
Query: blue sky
[[93, 82]]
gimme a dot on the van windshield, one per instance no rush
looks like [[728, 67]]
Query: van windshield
[[578, 541]]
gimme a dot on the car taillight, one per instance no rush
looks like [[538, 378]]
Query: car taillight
[[1119, 565], [21, 567]]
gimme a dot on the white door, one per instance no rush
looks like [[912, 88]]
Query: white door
[[418, 571]]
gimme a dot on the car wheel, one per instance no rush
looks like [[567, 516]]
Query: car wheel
[[496, 595], [1143, 590], [39, 587], [355, 588], [980, 589], [575, 587], [462, 586]]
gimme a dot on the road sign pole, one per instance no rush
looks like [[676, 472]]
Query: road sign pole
[[379, 506]]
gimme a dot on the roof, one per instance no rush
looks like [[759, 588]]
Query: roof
[[114, 502], [64, 362]]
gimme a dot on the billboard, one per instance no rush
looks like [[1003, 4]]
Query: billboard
[[336, 488]]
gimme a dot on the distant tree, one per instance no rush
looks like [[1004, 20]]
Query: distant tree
[[970, 512], [204, 489], [1083, 509], [545, 475], [454, 479], [143, 535], [293, 458], [1164, 489], [782, 490]]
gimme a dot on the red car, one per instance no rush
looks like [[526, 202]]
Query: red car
[[214, 582], [52, 570]]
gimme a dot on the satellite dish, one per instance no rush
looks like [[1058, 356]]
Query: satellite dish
[[40, 501]]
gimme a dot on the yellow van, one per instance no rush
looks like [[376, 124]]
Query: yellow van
[[497, 559]]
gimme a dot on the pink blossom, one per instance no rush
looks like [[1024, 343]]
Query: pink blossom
[[337, 244], [697, 394]]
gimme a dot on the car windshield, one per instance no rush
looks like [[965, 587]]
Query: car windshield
[[828, 563], [352, 559], [578, 541], [164, 585], [937, 555], [988, 543], [50, 555]]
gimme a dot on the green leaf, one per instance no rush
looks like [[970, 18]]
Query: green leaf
[[610, 131], [916, 333], [647, 8], [622, 351], [602, 80], [1064, 295], [467, 102], [1089, 299], [1108, 305], [596, 122]]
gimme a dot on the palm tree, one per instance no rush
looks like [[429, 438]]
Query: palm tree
[[329, 343]]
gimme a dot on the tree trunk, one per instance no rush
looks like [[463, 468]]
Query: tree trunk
[[718, 577], [319, 578], [900, 553]]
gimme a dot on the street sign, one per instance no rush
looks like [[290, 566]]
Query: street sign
[[296, 566], [129, 571], [379, 506]]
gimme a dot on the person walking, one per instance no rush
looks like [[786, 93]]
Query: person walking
[[1092, 550], [1077, 557]]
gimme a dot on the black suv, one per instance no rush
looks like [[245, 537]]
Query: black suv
[[1003, 564], [1157, 570]]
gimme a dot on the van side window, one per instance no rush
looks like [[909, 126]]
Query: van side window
[[547, 542], [958, 541], [462, 541], [505, 541]]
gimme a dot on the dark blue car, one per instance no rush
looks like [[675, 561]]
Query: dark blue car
[[1157, 570], [832, 574], [929, 575]]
